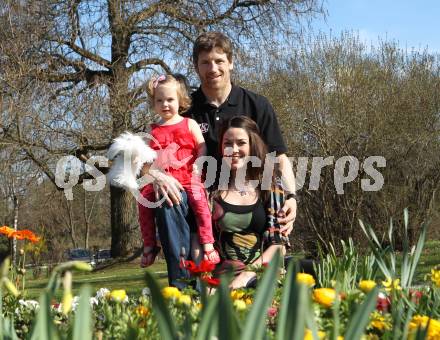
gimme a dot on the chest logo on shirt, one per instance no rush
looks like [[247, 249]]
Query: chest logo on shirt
[[204, 127]]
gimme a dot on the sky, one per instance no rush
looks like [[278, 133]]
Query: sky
[[413, 24]]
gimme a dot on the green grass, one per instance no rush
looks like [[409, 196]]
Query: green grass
[[130, 276], [429, 259]]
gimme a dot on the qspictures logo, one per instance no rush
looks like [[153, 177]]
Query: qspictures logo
[[346, 169]]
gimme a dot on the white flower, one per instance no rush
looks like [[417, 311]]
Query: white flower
[[146, 291], [93, 301], [102, 293], [31, 304], [75, 303], [381, 295]]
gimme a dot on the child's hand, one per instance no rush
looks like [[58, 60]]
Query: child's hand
[[148, 256], [211, 255]]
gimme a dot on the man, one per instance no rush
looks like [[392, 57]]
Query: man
[[215, 101]]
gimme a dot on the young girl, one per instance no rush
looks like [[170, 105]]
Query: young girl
[[178, 142]]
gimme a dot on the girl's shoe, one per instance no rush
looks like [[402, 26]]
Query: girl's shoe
[[149, 257], [212, 256]]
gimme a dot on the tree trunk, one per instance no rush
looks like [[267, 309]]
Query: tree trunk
[[14, 240], [124, 226], [125, 233]]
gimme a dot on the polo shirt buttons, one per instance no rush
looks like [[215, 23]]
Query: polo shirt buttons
[[217, 118]]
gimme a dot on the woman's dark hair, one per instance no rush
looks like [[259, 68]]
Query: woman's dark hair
[[256, 144]]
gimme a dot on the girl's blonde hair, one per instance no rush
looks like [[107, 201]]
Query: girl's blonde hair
[[182, 90]]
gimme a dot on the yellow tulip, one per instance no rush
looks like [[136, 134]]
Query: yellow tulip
[[324, 296], [366, 285], [118, 295], [305, 279], [171, 293], [422, 321], [240, 304], [308, 335], [236, 294], [184, 300]]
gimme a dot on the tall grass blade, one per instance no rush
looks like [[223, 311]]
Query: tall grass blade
[[256, 319], [417, 253], [44, 327], [359, 321], [167, 327], [228, 324], [293, 308], [82, 328], [208, 323]]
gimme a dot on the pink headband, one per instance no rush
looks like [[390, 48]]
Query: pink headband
[[156, 82]]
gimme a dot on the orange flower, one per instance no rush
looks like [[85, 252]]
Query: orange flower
[[20, 234], [26, 235], [5, 230]]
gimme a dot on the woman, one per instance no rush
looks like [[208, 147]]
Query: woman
[[244, 211]]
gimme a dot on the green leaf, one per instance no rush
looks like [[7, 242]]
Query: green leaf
[[227, 320], [207, 324], [417, 253], [82, 328], [294, 307], [256, 320], [359, 321], [44, 327], [167, 327]]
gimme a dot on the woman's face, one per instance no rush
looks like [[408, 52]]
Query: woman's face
[[235, 147]]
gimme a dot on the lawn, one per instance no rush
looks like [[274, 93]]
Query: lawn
[[130, 276]]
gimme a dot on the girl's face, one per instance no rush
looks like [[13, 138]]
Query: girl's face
[[166, 101], [235, 147]]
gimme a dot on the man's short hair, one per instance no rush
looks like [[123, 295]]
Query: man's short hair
[[207, 41]]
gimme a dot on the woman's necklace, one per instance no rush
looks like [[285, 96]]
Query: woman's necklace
[[245, 190]]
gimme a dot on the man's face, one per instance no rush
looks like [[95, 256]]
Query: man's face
[[214, 69]]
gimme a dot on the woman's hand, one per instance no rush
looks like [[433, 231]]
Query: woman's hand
[[287, 215]]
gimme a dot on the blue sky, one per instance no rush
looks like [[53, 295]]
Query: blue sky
[[411, 23]]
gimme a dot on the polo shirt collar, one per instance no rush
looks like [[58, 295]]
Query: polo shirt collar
[[233, 98]]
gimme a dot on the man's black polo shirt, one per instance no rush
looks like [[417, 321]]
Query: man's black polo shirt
[[240, 101]]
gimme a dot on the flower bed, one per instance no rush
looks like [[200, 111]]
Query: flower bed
[[342, 301]]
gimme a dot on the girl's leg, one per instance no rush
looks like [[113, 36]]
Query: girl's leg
[[148, 230], [199, 204]]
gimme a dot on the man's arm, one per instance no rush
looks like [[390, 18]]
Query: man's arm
[[287, 214]]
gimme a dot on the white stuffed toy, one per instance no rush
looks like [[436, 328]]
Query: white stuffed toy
[[129, 153]]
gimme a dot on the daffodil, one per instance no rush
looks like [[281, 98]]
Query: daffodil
[[366, 285], [435, 276], [391, 284], [305, 279], [67, 302]]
